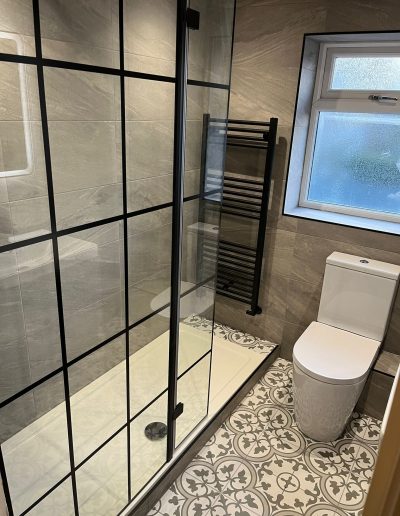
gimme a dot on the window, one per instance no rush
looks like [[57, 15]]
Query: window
[[351, 150]]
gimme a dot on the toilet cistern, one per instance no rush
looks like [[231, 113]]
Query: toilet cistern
[[332, 358]]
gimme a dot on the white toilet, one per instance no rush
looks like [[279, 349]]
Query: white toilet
[[332, 358]]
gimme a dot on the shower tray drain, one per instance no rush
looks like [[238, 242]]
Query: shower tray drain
[[155, 431]]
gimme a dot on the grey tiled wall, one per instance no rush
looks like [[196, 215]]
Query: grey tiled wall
[[266, 60]]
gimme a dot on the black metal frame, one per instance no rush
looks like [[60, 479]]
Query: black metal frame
[[181, 81], [240, 266]]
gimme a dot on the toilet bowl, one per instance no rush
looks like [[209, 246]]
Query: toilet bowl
[[332, 358]]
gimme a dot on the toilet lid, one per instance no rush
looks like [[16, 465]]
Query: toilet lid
[[334, 356]]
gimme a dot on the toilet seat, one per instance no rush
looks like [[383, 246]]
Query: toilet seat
[[334, 356]]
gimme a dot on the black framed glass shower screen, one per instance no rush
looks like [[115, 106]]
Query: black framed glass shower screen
[[86, 222]]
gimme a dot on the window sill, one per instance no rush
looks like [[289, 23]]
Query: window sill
[[344, 220]]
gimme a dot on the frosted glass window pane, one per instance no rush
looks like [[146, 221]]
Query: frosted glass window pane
[[356, 161], [366, 73]]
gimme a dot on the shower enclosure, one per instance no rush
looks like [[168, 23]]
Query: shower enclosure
[[103, 219]]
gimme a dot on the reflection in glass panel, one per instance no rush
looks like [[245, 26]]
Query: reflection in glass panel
[[147, 456], [92, 276], [29, 329], [24, 211], [149, 277], [102, 482], [360, 167], [204, 160], [34, 442], [196, 306], [150, 33], [148, 364], [210, 46], [98, 397], [16, 28], [59, 501], [85, 135], [366, 73], [149, 142], [80, 31], [200, 241], [193, 393]]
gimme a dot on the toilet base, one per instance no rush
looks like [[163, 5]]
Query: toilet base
[[323, 409]]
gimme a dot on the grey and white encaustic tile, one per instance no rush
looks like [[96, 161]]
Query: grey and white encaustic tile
[[259, 463], [225, 332]]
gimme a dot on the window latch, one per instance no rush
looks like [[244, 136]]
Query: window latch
[[383, 98]]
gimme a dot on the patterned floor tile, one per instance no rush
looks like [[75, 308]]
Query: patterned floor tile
[[260, 464], [238, 337], [179, 503]]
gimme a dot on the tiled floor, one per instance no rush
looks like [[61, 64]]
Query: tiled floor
[[259, 463]]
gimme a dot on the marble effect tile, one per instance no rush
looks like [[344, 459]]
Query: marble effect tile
[[89, 39]]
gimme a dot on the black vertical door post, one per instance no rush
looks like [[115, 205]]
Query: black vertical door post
[[177, 216]]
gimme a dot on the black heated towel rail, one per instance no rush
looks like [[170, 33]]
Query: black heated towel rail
[[239, 266]]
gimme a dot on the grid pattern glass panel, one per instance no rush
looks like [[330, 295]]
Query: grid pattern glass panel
[[149, 278], [86, 197], [98, 397], [193, 390], [102, 480], [29, 332], [149, 108], [150, 29], [34, 443], [59, 502], [210, 46], [147, 456], [92, 275], [84, 120], [148, 363]]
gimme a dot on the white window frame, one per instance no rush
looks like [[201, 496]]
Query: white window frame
[[351, 101]]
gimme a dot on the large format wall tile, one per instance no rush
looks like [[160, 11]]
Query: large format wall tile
[[17, 17], [150, 34], [266, 58], [362, 15], [85, 143], [76, 95], [148, 278], [152, 191], [302, 302], [149, 100], [14, 364], [80, 31], [84, 155], [149, 148], [87, 205], [29, 330], [92, 284]]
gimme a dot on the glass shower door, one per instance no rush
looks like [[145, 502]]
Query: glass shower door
[[88, 355], [207, 96]]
